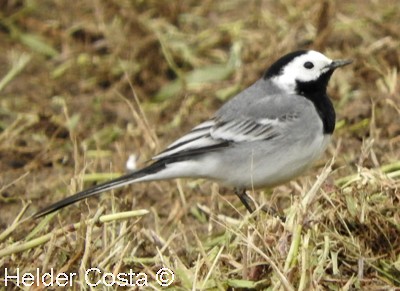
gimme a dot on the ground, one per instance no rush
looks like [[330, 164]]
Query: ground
[[86, 84]]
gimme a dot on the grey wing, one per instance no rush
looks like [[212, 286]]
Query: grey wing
[[198, 140], [247, 129], [221, 131]]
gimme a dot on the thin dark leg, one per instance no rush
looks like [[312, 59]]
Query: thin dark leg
[[244, 198]]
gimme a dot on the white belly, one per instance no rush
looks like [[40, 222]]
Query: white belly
[[269, 168], [249, 165]]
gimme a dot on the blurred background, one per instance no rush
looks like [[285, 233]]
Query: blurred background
[[86, 84]]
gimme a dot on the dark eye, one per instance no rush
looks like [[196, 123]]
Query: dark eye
[[308, 65]]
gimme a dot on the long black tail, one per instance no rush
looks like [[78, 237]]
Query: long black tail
[[118, 182]]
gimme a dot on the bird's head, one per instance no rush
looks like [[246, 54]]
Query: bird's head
[[303, 70]]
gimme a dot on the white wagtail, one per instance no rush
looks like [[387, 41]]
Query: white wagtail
[[266, 135]]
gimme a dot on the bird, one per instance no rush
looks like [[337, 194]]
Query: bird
[[266, 135]]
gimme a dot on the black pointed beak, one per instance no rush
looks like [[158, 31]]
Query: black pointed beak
[[339, 63]]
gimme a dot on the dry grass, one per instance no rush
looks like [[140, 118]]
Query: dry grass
[[85, 85]]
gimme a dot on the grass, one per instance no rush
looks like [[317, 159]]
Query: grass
[[84, 86]]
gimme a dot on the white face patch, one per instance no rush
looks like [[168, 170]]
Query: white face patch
[[304, 68]]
